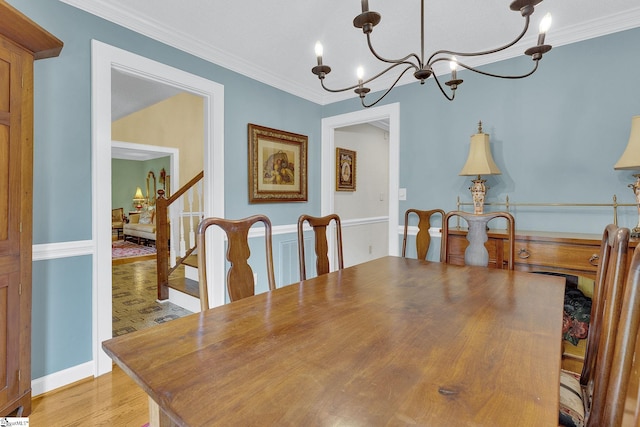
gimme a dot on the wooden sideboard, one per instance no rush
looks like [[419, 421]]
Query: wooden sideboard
[[568, 253]]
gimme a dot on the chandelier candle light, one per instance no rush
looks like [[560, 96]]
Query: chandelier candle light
[[630, 160], [479, 162], [422, 69]]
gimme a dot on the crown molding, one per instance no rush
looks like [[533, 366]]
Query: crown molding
[[130, 19]]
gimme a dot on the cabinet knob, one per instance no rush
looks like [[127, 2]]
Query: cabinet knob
[[523, 253], [594, 260]]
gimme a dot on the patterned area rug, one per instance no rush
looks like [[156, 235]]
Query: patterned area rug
[[125, 249]]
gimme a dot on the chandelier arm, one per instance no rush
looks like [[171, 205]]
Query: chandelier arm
[[485, 52], [391, 67], [410, 66], [394, 61], [388, 90], [484, 73], [337, 90], [444, 93]]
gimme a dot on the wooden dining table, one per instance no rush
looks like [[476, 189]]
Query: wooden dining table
[[393, 341]]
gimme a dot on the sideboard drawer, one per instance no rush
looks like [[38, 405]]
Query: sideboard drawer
[[530, 255], [569, 253]]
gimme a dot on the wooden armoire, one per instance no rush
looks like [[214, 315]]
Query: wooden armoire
[[21, 42]]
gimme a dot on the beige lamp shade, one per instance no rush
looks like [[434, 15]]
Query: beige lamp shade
[[480, 161], [138, 195], [630, 158]]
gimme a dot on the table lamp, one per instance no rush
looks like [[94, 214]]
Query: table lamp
[[479, 163], [138, 199], [630, 160]]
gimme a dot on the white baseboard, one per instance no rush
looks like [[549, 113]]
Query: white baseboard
[[185, 301], [61, 378]]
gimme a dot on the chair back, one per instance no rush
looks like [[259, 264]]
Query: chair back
[[117, 216], [240, 283], [476, 253], [423, 238], [319, 226], [612, 398], [606, 306]]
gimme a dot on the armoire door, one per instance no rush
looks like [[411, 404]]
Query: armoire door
[[11, 59]]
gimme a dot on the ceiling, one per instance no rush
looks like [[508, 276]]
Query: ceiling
[[273, 41]]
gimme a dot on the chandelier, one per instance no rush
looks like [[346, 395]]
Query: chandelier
[[422, 69]]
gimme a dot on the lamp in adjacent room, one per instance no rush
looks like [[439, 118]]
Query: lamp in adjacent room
[[480, 162], [138, 199], [630, 160]]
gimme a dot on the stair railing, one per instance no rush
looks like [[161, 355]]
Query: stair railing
[[174, 215]]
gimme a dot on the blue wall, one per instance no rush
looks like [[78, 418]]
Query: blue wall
[[62, 162], [555, 137]]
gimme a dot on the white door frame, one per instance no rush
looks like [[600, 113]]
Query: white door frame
[[390, 112], [104, 58]]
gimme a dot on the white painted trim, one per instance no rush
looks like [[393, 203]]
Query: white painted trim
[[185, 301], [104, 58], [47, 251], [363, 221], [390, 112], [412, 230], [61, 378]]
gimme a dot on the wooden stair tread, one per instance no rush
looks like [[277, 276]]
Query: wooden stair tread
[[191, 261], [184, 285]]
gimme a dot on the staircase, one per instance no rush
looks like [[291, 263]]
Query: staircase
[[177, 219]]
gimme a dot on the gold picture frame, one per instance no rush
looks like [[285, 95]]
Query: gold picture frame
[[345, 170], [277, 165]]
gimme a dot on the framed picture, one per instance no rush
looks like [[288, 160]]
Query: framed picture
[[277, 165], [345, 170]]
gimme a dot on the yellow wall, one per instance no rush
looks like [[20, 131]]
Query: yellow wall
[[177, 122]]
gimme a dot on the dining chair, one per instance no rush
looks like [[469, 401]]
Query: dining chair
[[423, 238], [581, 396], [617, 393], [240, 281], [476, 253], [319, 226]]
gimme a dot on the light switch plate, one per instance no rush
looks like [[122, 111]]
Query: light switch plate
[[402, 194]]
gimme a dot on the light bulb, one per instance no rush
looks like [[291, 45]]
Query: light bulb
[[360, 73], [319, 49], [545, 23], [453, 64]]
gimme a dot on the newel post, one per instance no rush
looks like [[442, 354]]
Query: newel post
[[162, 246]]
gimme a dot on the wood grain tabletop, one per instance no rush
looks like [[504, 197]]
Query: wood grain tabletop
[[393, 341]]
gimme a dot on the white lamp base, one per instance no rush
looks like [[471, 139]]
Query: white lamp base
[[479, 190]]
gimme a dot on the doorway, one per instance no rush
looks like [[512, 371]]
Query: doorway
[[105, 59], [388, 114]]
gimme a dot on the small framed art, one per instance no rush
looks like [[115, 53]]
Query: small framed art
[[345, 170]]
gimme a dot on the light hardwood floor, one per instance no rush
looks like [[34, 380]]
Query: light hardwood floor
[[110, 400]]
